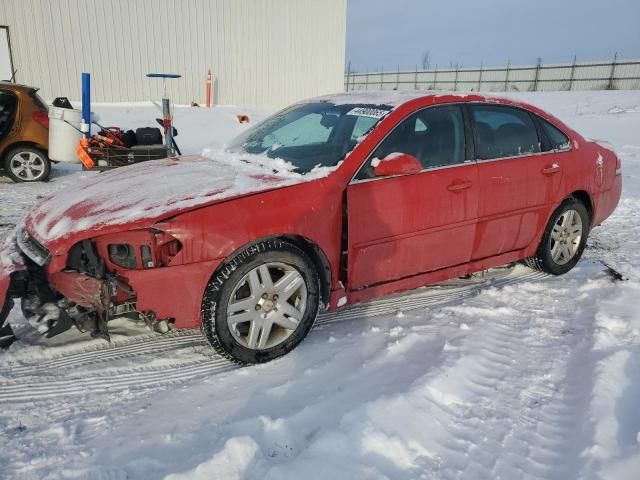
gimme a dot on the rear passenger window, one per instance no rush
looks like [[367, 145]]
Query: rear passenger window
[[555, 138], [503, 132]]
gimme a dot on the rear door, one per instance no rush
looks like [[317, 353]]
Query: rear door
[[405, 225], [514, 179], [555, 146]]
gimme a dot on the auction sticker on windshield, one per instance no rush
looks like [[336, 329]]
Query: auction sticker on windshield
[[368, 112]]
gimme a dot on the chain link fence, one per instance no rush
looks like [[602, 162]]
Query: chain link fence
[[613, 75]]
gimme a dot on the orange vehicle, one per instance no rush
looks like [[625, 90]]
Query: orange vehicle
[[24, 133]]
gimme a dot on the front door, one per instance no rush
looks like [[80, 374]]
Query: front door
[[405, 225]]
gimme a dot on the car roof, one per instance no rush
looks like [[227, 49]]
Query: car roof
[[395, 98], [15, 86], [392, 98]]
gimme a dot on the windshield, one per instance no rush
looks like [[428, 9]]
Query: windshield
[[310, 135]]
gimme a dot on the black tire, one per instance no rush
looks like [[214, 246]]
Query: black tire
[[543, 260], [227, 277], [41, 177]]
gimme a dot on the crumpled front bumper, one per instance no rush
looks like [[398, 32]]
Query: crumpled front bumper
[[7, 288], [12, 278]]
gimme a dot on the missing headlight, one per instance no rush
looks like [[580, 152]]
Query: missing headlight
[[123, 255]]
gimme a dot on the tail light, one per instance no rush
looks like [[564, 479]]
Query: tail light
[[42, 118]]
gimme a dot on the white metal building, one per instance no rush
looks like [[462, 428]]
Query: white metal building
[[264, 53]]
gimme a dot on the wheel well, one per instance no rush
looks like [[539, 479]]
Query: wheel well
[[12, 146], [586, 201], [319, 260]]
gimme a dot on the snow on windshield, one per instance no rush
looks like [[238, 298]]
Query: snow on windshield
[[309, 136]]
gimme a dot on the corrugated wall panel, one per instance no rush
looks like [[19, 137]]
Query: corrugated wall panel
[[262, 52]]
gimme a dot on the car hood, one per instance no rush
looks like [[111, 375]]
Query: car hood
[[142, 194]]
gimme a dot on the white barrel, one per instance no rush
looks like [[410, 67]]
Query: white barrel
[[64, 133]]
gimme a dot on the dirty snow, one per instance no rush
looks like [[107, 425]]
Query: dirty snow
[[10, 258], [511, 375]]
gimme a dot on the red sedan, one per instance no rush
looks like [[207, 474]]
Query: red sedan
[[332, 201]]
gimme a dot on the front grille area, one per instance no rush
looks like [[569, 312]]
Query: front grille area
[[31, 247]]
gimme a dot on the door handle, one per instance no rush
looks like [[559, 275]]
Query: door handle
[[551, 169], [459, 186]]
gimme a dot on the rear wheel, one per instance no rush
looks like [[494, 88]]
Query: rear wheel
[[27, 164], [563, 240], [262, 303]]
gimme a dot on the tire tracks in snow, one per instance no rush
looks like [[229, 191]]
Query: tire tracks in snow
[[184, 355], [513, 380], [118, 350]]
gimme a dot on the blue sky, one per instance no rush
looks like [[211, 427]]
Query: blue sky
[[391, 33]]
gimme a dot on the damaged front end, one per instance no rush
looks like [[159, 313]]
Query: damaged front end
[[10, 287], [85, 288], [12, 278]]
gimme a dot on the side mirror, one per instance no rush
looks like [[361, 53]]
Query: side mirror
[[396, 164]]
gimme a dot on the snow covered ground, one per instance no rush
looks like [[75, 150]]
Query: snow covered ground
[[512, 375]]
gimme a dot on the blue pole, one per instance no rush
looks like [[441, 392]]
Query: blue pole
[[86, 104]]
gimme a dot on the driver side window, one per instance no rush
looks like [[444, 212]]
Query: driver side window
[[435, 136]]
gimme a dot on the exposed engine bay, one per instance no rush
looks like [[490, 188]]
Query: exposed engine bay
[[92, 288]]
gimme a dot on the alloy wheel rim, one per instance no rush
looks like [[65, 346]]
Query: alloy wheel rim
[[267, 305], [565, 237], [27, 166]]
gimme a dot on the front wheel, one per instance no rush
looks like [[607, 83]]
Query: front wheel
[[26, 164], [262, 303], [563, 240]]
